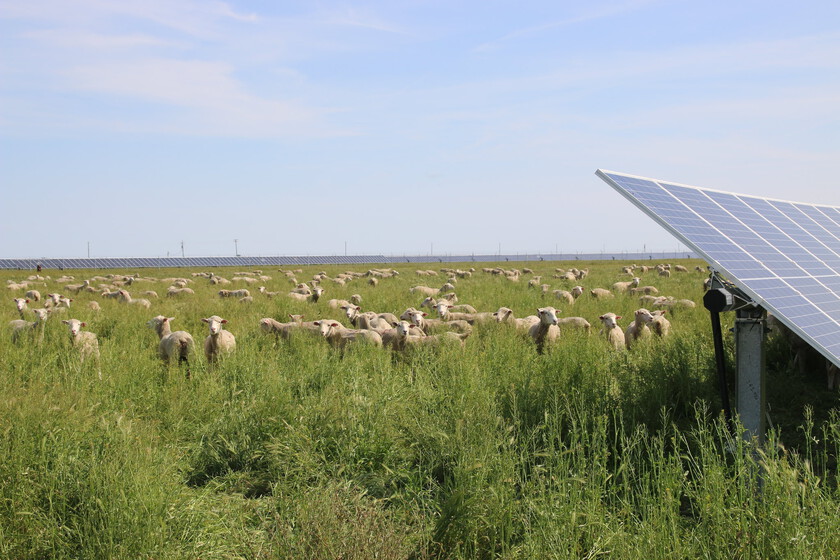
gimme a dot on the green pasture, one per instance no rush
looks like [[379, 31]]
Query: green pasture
[[290, 449]]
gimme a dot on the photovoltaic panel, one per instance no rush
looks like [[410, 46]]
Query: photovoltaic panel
[[784, 255]]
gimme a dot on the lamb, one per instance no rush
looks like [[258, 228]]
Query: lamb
[[445, 312], [178, 344], [544, 331], [339, 337], [175, 291], [84, 341], [125, 297], [34, 295], [219, 340], [611, 330], [505, 315], [21, 327], [624, 286], [660, 325], [638, 328]]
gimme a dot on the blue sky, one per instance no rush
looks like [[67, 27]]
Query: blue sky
[[399, 127]]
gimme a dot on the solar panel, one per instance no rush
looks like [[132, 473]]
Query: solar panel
[[784, 255]]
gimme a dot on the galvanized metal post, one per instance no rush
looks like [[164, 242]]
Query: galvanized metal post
[[750, 327]]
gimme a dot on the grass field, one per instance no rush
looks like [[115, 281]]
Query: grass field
[[293, 450]]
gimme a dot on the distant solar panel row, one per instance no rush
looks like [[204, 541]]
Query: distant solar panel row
[[179, 262], [785, 255]]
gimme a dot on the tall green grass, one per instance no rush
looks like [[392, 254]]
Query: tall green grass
[[292, 450]]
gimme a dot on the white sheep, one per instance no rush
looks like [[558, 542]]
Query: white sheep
[[84, 341], [545, 331], [601, 293], [178, 344], [577, 291], [34, 295], [219, 340], [94, 306], [429, 326], [638, 329], [234, 293], [21, 327], [505, 315], [564, 295], [611, 330], [407, 339], [339, 337], [660, 325], [125, 297], [175, 291], [424, 290], [20, 304], [444, 310], [579, 323], [624, 286]]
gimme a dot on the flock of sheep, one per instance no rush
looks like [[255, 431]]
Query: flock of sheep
[[412, 328]]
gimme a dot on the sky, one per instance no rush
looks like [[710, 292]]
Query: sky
[[141, 127]]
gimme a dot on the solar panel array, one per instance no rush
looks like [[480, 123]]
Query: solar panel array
[[784, 255], [185, 262]]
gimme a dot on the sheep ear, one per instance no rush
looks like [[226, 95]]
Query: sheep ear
[[206, 320], [317, 323], [601, 317], [395, 323], [424, 315], [84, 324], [334, 324], [618, 317], [66, 322]]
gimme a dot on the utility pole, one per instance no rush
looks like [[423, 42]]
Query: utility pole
[[182, 248], [88, 249], [236, 247]]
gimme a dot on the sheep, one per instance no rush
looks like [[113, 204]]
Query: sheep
[[339, 337], [544, 331], [580, 323], [150, 293], [234, 293], [84, 341], [219, 340], [564, 295], [601, 293], [612, 332], [624, 286], [505, 315], [125, 297], [356, 299], [445, 312], [268, 294], [368, 319], [643, 290], [35, 328], [94, 306], [338, 303], [680, 268], [395, 338], [660, 325], [424, 290], [285, 330], [34, 295], [577, 291], [76, 288], [405, 339], [20, 303], [669, 302], [638, 329], [429, 326], [178, 344], [175, 291], [664, 272]]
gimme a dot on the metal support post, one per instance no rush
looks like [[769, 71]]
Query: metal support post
[[750, 327]]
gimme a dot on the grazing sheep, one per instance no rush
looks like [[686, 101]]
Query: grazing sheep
[[234, 293], [660, 325], [600, 293], [150, 293], [638, 328], [219, 340], [178, 344], [339, 337], [356, 299], [505, 315], [577, 291], [175, 291], [424, 290], [338, 303], [34, 295], [579, 323], [564, 295], [246, 299], [611, 330], [285, 330], [669, 302], [21, 328], [94, 306], [445, 312], [545, 331], [406, 339], [643, 290], [84, 341], [664, 272], [624, 286], [430, 326], [680, 268], [268, 294]]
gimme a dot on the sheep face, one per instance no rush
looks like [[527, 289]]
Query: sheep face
[[609, 320], [414, 317], [404, 328], [352, 311], [74, 325], [215, 323], [643, 316], [547, 315], [326, 328], [502, 314], [20, 303]]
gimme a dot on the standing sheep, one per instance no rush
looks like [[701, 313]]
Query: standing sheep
[[545, 331], [178, 344], [21, 327], [659, 324], [639, 327], [219, 340], [84, 341], [611, 330]]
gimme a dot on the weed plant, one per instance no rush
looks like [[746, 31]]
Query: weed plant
[[290, 449]]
